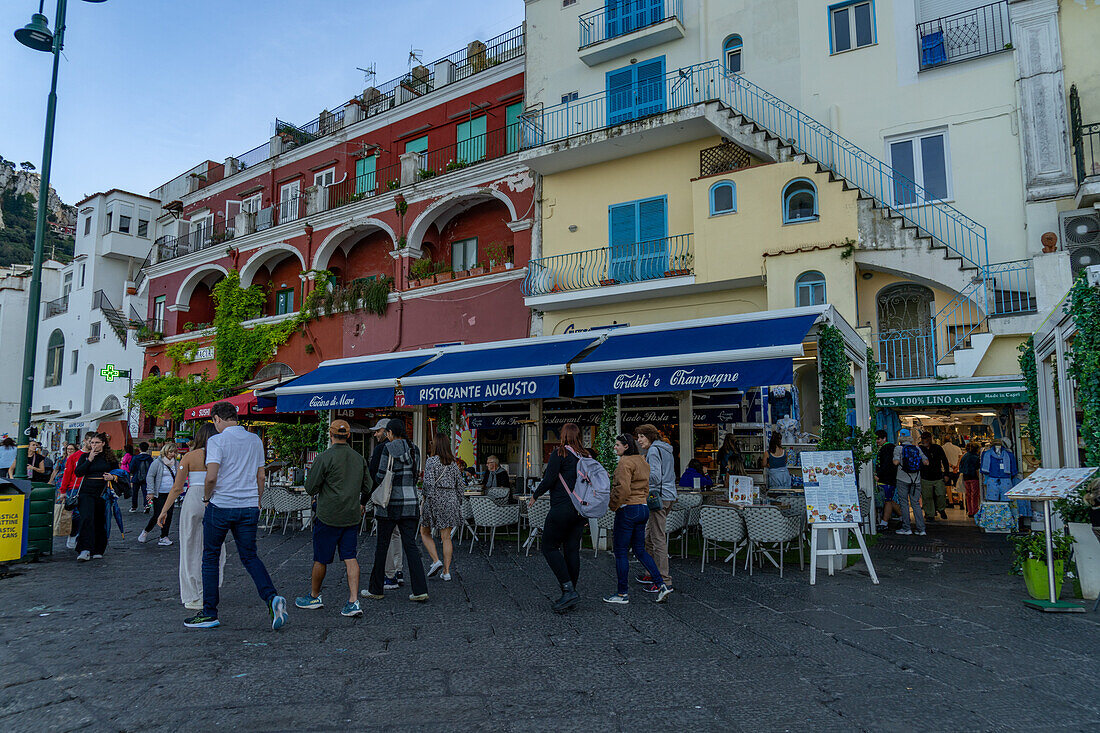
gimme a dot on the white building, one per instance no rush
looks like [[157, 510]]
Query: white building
[[15, 282], [87, 318]]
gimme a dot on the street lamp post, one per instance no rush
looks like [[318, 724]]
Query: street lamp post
[[36, 35]]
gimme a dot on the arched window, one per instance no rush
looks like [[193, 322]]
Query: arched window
[[111, 403], [809, 289], [799, 201], [731, 53], [723, 198], [275, 370], [55, 357], [154, 371]]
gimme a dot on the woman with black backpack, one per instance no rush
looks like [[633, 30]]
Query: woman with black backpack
[[561, 536]]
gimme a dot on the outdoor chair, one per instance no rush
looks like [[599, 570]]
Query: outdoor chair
[[490, 515], [690, 503], [290, 503], [536, 520], [497, 492], [267, 505], [676, 528], [722, 528], [605, 527], [766, 526], [467, 523]]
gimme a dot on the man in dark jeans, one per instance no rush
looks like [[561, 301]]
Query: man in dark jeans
[[886, 474], [139, 469], [234, 483], [933, 489]]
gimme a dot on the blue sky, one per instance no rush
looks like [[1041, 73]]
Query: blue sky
[[149, 88]]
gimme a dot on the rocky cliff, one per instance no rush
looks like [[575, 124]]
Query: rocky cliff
[[18, 208]]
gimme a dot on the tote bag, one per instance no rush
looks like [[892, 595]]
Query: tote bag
[[381, 495]]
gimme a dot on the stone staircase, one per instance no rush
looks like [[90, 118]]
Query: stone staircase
[[115, 318]]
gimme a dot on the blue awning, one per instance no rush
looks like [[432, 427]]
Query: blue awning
[[350, 383], [504, 370], [736, 352]]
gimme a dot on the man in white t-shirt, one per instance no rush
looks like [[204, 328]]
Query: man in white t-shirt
[[234, 482]]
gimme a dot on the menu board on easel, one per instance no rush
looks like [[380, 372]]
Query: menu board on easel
[[741, 490], [829, 480], [1050, 483]]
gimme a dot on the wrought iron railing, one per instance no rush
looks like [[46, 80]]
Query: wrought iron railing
[[363, 186], [708, 81], [57, 306], [1010, 288], [478, 149], [722, 158], [963, 36], [151, 330], [619, 17], [960, 318], [618, 263], [906, 353], [199, 238], [1086, 150]]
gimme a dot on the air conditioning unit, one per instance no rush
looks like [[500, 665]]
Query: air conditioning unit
[[1081, 234]]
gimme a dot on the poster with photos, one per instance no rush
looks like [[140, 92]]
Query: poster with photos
[[741, 490], [829, 480], [1050, 483]]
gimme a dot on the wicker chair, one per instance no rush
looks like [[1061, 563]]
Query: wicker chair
[[489, 514], [267, 505], [290, 503], [722, 528], [497, 492], [691, 503], [536, 518], [676, 527], [605, 526], [766, 526], [467, 523]]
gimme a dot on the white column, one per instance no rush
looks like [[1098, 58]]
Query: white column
[[687, 429], [1070, 457], [1048, 414], [1040, 86]]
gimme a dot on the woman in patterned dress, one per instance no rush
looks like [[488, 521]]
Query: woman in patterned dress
[[442, 508]]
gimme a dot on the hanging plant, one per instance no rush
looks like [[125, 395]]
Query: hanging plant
[[376, 295], [606, 434], [1033, 431], [443, 420]]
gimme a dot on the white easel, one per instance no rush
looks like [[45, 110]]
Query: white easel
[[837, 549]]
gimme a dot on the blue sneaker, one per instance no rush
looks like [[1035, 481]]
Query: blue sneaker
[[278, 613], [351, 609], [309, 602], [391, 584]]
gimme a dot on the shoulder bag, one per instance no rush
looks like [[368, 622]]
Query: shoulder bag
[[381, 494]]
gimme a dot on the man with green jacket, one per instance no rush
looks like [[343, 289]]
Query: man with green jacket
[[342, 484]]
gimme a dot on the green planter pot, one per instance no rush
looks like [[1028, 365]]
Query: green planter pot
[[1038, 585]]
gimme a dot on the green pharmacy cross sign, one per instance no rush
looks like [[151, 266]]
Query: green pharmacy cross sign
[[111, 373]]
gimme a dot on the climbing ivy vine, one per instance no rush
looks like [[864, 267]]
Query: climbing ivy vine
[[1084, 362], [606, 434], [1032, 430], [836, 381]]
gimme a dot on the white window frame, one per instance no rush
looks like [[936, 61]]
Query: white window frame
[[252, 204], [83, 273], [466, 263], [319, 177], [87, 225], [918, 162], [287, 193], [109, 218], [75, 359], [159, 304], [66, 283], [569, 97], [145, 214], [125, 209]]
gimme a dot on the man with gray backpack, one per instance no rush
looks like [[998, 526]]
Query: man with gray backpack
[[579, 489]]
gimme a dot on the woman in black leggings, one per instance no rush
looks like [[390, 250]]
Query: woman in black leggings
[[561, 536]]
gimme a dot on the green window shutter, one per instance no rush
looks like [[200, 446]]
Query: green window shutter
[[511, 115], [364, 174], [471, 140], [419, 145]]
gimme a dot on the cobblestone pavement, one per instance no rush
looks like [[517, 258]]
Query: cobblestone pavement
[[942, 644]]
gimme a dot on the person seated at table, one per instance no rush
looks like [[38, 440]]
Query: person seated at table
[[695, 471], [496, 477]]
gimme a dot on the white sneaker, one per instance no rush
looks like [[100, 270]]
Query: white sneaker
[[84, 556], [71, 543], [904, 531], [446, 577], [193, 605], [920, 533], [97, 557], [435, 568], [164, 542], [143, 536]]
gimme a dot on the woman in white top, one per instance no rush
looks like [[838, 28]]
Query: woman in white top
[[193, 471], [162, 475]]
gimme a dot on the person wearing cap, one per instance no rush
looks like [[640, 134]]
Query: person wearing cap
[[341, 482], [909, 459], [394, 577]]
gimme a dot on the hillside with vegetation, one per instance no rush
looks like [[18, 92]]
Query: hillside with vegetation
[[18, 210]]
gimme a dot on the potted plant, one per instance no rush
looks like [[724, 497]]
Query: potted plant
[[680, 265], [1075, 512], [1030, 560], [444, 276], [498, 257], [478, 269], [421, 272], [461, 274]]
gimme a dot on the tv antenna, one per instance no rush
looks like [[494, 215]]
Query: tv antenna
[[415, 56], [369, 74]]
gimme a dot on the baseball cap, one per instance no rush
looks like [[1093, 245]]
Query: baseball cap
[[382, 424], [903, 433], [339, 428]]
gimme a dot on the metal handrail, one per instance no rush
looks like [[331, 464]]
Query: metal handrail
[[625, 16], [1011, 287], [965, 35], [612, 265], [219, 232], [57, 306]]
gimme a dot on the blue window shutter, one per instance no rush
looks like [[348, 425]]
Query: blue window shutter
[[623, 238], [614, 17], [651, 252], [620, 95], [649, 89]]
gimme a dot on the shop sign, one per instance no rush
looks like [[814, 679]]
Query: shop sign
[[741, 375], [572, 327], [160, 432], [523, 388], [949, 399], [13, 527], [549, 419], [357, 399], [205, 353]]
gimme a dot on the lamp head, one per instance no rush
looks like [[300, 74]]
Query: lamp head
[[36, 34]]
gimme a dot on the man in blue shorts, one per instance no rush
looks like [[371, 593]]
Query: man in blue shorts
[[342, 484], [886, 474]]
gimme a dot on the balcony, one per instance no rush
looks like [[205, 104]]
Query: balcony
[[722, 158], [199, 238], [150, 330], [57, 307], [622, 27], [613, 271], [1086, 153], [963, 36]]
